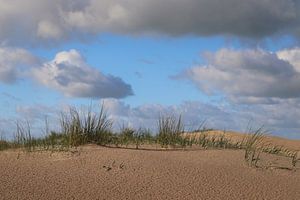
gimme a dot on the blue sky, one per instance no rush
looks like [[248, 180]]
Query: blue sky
[[206, 60]]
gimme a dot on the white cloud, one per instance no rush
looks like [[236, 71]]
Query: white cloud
[[69, 73], [292, 56], [14, 64], [259, 86], [254, 75], [32, 22], [281, 118]]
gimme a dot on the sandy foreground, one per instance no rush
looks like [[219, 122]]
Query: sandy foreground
[[95, 172]]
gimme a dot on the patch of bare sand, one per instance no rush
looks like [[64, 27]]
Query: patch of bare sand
[[109, 173]]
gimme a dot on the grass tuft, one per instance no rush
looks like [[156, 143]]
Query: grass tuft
[[253, 145], [170, 129], [86, 127]]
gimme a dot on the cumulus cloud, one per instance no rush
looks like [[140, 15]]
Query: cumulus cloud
[[255, 76], [14, 64], [69, 73], [58, 20]]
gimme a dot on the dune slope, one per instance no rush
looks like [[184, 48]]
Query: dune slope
[[109, 173]]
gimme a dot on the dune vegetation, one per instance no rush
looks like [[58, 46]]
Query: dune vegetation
[[78, 127]]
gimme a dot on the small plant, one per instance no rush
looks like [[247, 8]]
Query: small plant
[[102, 132], [71, 127], [127, 135], [56, 141], [169, 131], [115, 140], [23, 137], [253, 146], [294, 159], [139, 137], [275, 149], [86, 127], [203, 140], [147, 136]]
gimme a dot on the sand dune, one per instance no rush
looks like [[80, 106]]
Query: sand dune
[[109, 173], [269, 139]]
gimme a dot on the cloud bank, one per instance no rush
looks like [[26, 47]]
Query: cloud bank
[[224, 117], [62, 20], [147, 115], [253, 76], [258, 86], [281, 118]]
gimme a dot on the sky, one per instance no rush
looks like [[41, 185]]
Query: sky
[[229, 63]]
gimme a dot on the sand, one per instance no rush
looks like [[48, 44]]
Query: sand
[[108, 173], [93, 172]]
